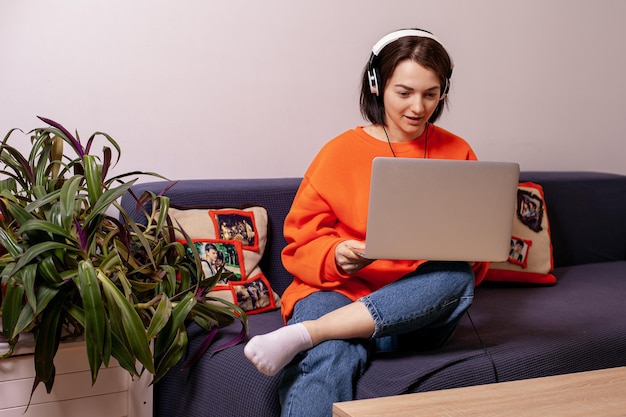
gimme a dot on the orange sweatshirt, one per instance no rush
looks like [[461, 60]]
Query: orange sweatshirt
[[331, 206]]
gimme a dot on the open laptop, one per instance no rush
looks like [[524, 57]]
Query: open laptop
[[446, 210]]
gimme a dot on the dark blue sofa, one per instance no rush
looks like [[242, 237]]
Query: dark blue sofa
[[518, 331]]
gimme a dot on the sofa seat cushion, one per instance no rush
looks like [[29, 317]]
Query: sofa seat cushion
[[529, 331], [225, 384], [575, 326]]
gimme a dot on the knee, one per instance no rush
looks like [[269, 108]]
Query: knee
[[462, 275]]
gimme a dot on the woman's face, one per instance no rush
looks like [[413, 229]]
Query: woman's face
[[411, 96]]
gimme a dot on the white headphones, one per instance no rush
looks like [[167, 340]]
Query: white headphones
[[372, 73]]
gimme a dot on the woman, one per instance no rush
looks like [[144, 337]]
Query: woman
[[341, 304]]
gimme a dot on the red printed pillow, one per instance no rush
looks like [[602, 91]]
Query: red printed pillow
[[530, 258], [234, 239]]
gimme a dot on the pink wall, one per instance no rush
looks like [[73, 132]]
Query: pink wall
[[201, 88]]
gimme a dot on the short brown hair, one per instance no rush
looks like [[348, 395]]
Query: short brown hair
[[425, 51]]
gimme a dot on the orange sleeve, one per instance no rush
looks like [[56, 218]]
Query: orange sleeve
[[311, 235], [480, 271]]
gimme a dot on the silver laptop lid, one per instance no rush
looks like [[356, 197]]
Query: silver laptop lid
[[441, 209]]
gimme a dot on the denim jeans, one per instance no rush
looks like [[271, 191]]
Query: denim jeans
[[419, 311]]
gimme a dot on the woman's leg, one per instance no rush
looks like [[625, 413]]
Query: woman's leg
[[434, 296], [431, 300], [272, 351], [325, 374]]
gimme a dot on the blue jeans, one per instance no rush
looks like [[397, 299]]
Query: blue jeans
[[419, 311]]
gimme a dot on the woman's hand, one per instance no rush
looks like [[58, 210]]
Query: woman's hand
[[349, 256]]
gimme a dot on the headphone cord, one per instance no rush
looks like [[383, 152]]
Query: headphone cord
[[425, 140], [493, 363]]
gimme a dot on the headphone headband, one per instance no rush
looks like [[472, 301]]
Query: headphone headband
[[393, 36], [372, 72]]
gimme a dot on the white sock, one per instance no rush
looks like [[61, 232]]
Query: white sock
[[271, 352]]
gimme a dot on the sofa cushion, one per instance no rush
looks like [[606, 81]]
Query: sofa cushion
[[528, 332], [530, 259], [223, 384], [238, 232]]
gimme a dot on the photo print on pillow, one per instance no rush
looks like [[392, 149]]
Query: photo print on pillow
[[530, 258]]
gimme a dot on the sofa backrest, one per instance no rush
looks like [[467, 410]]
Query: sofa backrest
[[587, 215], [586, 210]]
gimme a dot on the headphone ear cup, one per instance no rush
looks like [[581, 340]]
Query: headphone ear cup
[[372, 77]]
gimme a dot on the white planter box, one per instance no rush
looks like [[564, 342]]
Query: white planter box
[[115, 393]]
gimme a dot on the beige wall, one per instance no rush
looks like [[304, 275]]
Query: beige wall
[[208, 88]]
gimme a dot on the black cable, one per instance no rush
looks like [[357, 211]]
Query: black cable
[[425, 140], [493, 363], [389, 141]]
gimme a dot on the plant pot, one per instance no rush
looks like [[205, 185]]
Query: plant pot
[[4, 343], [115, 392]]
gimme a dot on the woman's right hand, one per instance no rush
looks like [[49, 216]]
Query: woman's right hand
[[349, 256]]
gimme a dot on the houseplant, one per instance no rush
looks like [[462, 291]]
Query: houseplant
[[72, 268]]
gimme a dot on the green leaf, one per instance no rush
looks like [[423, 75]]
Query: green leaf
[[143, 241], [108, 344], [40, 160], [14, 158], [48, 270], [110, 140], [173, 354], [69, 192], [43, 201], [9, 243], [56, 155], [18, 212], [171, 276], [94, 181], [25, 320], [37, 250], [164, 206], [220, 312], [140, 286], [95, 319], [120, 348], [47, 341], [110, 261], [48, 227], [27, 315], [123, 355], [106, 199], [177, 319], [11, 307], [29, 275], [45, 294], [133, 326], [161, 316]]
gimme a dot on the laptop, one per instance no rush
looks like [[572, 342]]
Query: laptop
[[444, 210]]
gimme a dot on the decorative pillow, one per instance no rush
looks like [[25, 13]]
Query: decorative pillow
[[235, 238], [530, 259]]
